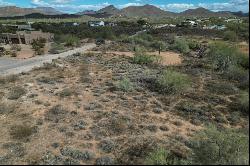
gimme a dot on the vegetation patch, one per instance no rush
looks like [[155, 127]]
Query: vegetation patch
[[171, 81], [125, 85], [16, 92], [21, 132]]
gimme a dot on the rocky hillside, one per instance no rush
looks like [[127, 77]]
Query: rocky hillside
[[10, 11], [202, 12], [109, 10], [145, 11]]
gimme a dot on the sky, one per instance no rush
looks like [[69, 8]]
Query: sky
[[72, 6]]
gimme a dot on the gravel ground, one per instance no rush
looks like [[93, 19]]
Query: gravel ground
[[11, 66]]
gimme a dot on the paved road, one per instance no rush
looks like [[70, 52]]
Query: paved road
[[14, 66]]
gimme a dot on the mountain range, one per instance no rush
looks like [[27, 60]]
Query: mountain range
[[131, 11], [11, 11]]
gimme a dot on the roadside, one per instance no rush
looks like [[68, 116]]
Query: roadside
[[10, 66]]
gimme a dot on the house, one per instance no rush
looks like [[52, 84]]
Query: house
[[217, 27], [20, 27], [111, 24], [96, 23], [24, 37]]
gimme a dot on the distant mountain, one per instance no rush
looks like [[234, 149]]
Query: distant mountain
[[240, 14], [202, 12], [145, 11], [111, 9], [86, 12], [148, 11], [48, 10], [11, 11]]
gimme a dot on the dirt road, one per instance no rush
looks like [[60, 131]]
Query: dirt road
[[14, 66]]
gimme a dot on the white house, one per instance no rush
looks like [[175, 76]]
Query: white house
[[96, 23]]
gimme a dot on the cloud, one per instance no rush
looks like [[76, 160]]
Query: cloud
[[63, 1], [69, 6], [4, 3], [129, 4], [233, 5], [177, 7]]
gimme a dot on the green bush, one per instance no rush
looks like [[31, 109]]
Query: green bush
[[72, 41], [236, 73], [141, 57], [243, 102], [223, 56], [180, 45], [224, 147], [172, 82], [193, 45], [230, 35], [161, 157], [125, 85]]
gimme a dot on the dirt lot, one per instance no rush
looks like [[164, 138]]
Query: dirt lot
[[71, 112], [26, 51], [168, 57]]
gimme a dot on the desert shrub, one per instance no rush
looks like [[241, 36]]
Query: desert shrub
[[16, 92], [159, 45], [38, 46], [125, 85], [6, 108], [141, 57], [222, 147], [172, 82], [21, 132], [221, 88], [13, 54], [230, 35], [236, 73], [223, 56], [56, 48], [162, 157], [67, 92], [241, 104], [72, 41], [8, 79], [15, 47], [193, 44], [56, 113], [180, 45]]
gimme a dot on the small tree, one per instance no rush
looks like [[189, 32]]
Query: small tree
[[38, 45], [230, 35], [181, 45]]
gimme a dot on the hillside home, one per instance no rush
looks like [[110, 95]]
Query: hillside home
[[24, 37], [96, 23], [20, 27]]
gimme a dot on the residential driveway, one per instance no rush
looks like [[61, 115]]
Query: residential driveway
[[13, 66]]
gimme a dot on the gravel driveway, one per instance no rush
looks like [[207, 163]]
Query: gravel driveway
[[14, 66]]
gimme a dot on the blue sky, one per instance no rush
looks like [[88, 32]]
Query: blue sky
[[170, 5]]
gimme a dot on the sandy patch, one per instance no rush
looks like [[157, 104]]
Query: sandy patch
[[168, 57]]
